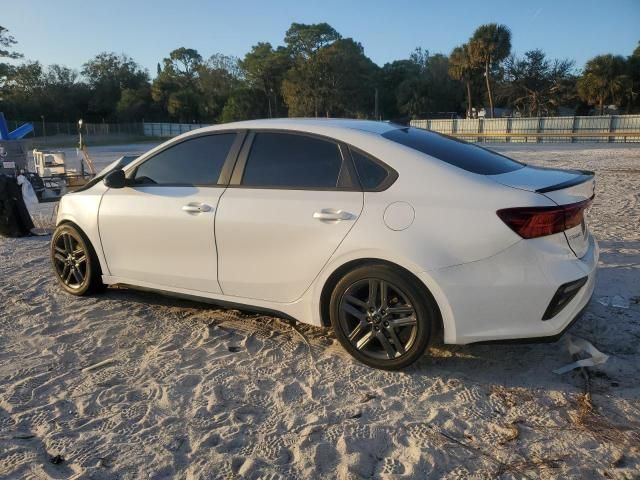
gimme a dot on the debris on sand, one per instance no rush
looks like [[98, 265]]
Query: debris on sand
[[619, 302], [580, 345], [98, 365]]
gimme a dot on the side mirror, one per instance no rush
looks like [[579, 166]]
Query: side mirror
[[115, 179]]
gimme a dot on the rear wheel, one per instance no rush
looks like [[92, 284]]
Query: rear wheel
[[74, 261], [381, 317]]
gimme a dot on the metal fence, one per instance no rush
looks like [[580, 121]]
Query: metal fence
[[170, 129], [52, 129], [611, 128]]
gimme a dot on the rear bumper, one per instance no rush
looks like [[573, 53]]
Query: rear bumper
[[505, 297]]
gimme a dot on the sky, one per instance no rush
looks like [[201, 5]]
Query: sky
[[70, 32]]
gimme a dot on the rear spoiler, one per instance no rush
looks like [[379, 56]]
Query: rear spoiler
[[582, 176]]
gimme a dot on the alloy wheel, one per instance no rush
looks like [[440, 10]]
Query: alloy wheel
[[70, 260], [378, 318]]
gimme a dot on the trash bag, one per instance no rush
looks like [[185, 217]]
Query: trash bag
[[28, 194], [15, 220]]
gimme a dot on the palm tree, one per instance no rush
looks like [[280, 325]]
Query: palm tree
[[462, 67], [603, 80], [490, 45]]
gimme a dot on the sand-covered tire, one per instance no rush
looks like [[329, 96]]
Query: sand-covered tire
[[382, 317], [75, 264]]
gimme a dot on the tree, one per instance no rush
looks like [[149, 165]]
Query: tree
[[6, 51], [490, 45], [6, 44], [265, 69], [633, 71], [336, 80], [445, 94], [134, 104], [419, 86], [183, 62], [32, 90], [463, 68], [392, 77], [108, 74], [243, 104], [537, 86], [304, 87], [346, 74], [176, 88], [217, 78], [304, 40], [23, 91], [63, 97], [604, 80]]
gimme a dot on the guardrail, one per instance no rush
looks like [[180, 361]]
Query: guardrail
[[614, 128]]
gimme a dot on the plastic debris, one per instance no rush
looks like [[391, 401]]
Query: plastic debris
[[619, 302], [577, 345], [603, 301]]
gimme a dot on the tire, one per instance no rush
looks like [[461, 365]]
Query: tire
[[75, 264], [386, 334]]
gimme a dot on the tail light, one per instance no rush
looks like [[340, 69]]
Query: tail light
[[533, 222]]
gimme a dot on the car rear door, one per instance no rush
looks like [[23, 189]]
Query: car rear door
[[292, 199], [160, 229]]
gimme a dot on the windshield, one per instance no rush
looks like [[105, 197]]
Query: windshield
[[459, 153], [121, 163]]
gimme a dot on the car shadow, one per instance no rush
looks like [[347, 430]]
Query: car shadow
[[612, 330], [515, 364]]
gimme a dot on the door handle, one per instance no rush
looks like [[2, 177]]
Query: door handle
[[332, 215], [198, 208]]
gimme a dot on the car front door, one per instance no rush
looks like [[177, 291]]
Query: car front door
[[291, 201], [159, 230]]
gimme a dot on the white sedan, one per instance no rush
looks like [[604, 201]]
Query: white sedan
[[391, 235]]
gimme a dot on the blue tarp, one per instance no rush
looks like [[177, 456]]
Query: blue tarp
[[17, 134]]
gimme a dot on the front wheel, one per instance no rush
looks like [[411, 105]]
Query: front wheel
[[381, 317], [74, 261]]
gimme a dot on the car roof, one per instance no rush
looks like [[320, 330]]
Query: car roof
[[363, 134], [312, 125]]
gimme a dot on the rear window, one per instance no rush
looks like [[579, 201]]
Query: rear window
[[371, 174], [456, 152]]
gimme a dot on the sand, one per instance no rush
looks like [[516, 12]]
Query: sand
[[131, 384]]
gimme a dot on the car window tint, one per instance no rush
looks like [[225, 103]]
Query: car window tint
[[370, 173], [193, 162], [292, 161], [453, 151]]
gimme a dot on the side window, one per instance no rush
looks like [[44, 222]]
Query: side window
[[371, 174], [193, 162], [292, 161]]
